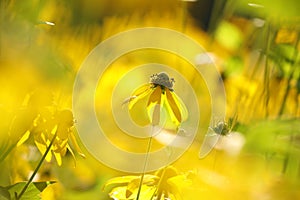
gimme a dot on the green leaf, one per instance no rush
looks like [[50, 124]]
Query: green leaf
[[42, 185], [32, 193], [285, 52], [4, 194], [298, 85]]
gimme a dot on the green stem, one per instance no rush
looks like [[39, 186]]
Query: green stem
[[145, 164], [257, 64], [37, 168], [184, 15], [290, 78], [286, 92], [7, 151], [287, 155], [266, 72]]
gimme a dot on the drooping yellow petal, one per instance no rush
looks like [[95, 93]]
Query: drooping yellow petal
[[72, 154], [60, 146], [139, 94], [24, 138], [58, 158], [155, 97], [175, 107], [137, 106], [75, 145], [42, 148], [154, 106]]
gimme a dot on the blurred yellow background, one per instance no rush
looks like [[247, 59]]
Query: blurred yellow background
[[255, 46]]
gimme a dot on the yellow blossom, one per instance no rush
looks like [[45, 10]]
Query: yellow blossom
[[58, 124], [159, 91]]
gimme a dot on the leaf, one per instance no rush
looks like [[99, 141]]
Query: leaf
[[42, 185], [32, 193], [285, 52], [4, 194]]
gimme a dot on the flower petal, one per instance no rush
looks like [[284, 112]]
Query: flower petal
[[154, 107], [175, 107], [139, 94], [138, 104], [155, 97], [58, 158]]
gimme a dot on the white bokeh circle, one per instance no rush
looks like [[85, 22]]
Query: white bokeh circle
[[89, 128]]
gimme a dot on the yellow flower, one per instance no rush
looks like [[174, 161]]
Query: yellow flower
[[166, 183], [157, 93], [58, 124]]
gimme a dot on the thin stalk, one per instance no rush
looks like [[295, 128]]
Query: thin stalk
[[288, 88], [155, 122], [290, 78], [287, 156], [145, 163], [266, 72], [217, 13], [3, 5], [37, 168], [286, 92], [257, 64], [184, 16], [7, 151]]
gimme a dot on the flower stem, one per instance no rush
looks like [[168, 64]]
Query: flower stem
[[155, 121], [145, 164], [266, 80], [7, 151], [37, 168], [290, 78]]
